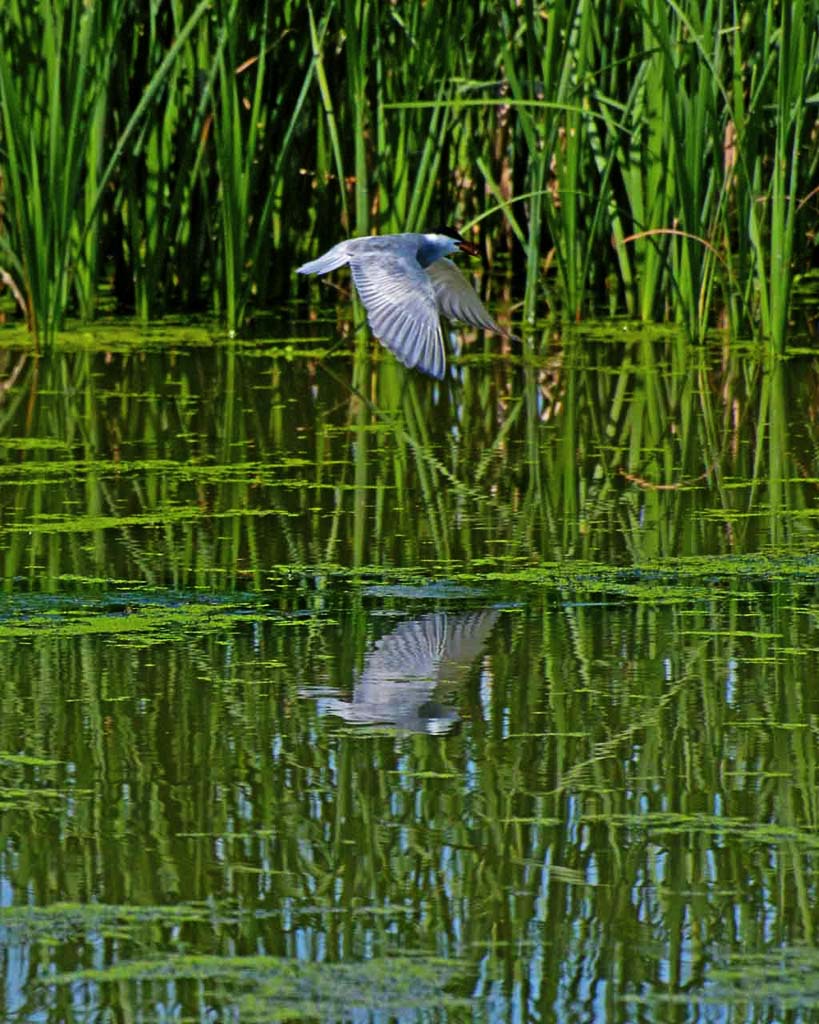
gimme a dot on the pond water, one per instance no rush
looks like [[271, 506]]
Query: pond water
[[488, 700]]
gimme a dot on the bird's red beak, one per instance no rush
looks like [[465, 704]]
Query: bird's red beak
[[469, 248]]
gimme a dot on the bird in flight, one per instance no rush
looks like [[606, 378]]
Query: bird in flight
[[406, 284]]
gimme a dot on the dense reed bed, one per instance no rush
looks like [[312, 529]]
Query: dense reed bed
[[654, 158]]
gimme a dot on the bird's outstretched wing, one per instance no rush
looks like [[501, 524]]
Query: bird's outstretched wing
[[438, 647], [331, 260], [401, 307], [409, 672], [456, 297]]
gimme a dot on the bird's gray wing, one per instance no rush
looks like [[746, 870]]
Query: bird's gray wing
[[456, 297], [331, 260], [435, 648], [401, 307]]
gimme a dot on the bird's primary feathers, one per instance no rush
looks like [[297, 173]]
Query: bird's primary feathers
[[407, 284]]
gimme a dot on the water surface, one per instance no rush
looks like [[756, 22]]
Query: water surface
[[490, 700]]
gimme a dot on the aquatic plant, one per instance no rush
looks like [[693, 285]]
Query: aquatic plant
[[657, 159], [57, 63]]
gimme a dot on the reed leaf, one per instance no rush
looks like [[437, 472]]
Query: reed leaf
[[190, 163]]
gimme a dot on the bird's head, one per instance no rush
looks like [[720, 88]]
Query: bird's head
[[451, 240]]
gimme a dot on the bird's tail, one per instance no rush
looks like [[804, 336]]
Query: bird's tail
[[331, 260]]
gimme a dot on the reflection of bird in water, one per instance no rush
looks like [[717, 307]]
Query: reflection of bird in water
[[406, 669]]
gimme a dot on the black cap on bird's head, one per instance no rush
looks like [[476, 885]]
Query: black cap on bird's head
[[463, 245]]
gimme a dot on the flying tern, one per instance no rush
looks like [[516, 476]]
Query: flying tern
[[406, 284]]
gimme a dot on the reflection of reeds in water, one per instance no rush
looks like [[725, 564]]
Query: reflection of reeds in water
[[216, 469], [411, 670], [615, 747]]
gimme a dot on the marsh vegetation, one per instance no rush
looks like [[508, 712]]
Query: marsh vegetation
[[653, 159], [333, 692]]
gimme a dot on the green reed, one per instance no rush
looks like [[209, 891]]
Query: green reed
[[59, 151], [795, 49], [49, 105], [263, 84], [159, 177], [657, 158]]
